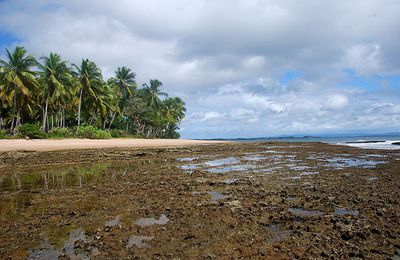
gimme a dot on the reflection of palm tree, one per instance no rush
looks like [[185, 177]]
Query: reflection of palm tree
[[56, 77], [152, 93], [19, 82]]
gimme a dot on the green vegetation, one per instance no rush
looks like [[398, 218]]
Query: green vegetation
[[49, 98]]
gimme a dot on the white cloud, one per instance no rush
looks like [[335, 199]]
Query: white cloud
[[228, 59], [336, 102]]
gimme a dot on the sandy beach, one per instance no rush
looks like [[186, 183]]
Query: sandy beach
[[75, 144]]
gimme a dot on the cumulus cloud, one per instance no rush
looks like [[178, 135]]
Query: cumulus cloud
[[229, 59]]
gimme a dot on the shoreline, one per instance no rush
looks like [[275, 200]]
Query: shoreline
[[47, 145]]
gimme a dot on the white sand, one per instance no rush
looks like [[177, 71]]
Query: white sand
[[71, 144]]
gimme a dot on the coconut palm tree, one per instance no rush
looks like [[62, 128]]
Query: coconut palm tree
[[90, 83], [173, 111], [174, 108], [124, 81], [152, 93], [57, 78], [19, 82]]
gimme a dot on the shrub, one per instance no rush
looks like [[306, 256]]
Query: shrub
[[118, 133], [30, 130], [92, 132], [61, 133], [3, 134]]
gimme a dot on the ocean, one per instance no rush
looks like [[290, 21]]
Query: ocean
[[367, 142]]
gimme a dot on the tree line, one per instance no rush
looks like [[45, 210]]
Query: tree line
[[54, 94]]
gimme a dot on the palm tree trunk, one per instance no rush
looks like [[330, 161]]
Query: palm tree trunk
[[45, 113], [112, 120], [79, 108], [127, 126], [14, 111], [63, 117], [104, 123], [18, 121]]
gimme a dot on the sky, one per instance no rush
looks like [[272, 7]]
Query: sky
[[244, 68]]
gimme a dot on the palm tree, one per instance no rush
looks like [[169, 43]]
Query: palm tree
[[125, 85], [90, 83], [152, 93], [57, 78], [174, 108], [125, 82], [174, 111], [19, 81]]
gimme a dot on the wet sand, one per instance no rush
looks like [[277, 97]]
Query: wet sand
[[236, 200], [76, 144]]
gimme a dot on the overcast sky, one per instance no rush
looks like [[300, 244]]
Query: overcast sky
[[244, 68]]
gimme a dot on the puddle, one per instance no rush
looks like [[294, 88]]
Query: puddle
[[187, 159], [272, 151], [254, 158], [276, 157], [138, 241], [299, 167], [376, 155], [69, 246], [341, 162], [343, 211], [114, 222], [146, 222], [221, 162], [216, 196], [268, 170], [372, 178], [231, 181], [299, 212], [308, 173], [189, 167], [48, 251], [233, 168], [68, 176], [277, 234]]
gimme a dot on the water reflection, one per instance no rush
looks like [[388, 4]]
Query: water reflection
[[68, 176]]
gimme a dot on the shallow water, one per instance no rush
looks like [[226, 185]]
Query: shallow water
[[299, 212], [308, 173], [341, 162], [187, 159], [298, 167], [221, 162], [189, 167], [233, 168], [343, 211], [254, 158], [231, 181], [114, 222], [146, 222], [278, 234], [138, 241], [49, 251], [68, 176], [216, 196]]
